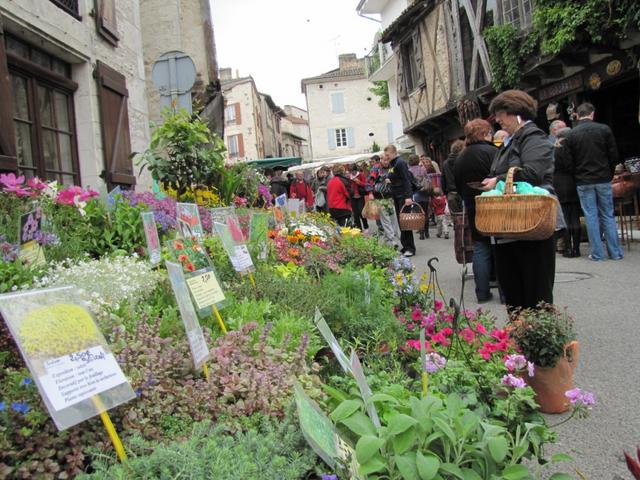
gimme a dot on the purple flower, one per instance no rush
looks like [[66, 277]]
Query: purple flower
[[326, 476], [515, 362], [577, 397], [264, 192], [434, 362], [2, 406], [513, 381], [21, 407], [531, 369]]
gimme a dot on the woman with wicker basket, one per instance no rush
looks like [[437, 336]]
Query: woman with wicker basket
[[525, 267]]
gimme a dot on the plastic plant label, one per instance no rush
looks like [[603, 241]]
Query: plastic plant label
[[220, 214], [225, 237], [69, 359], [112, 196], [258, 232], [32, 253], [367, 287], [30, 226], [205, 289], [72, 378], [281, 201], [242, 261], [151, 234], [317, 428], [423, 349], [365, 390], [295, 207], [188, 218], [327, 334], [190, 253], [197, 342], [280, 209]]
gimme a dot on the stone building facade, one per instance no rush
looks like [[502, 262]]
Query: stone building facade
[[73, 98], [295, 133], [344, 116]]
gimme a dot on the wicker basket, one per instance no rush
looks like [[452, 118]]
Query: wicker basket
[[412, 220], [520, 217]]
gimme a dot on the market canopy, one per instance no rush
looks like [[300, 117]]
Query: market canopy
[[306, 166], [284, 162]]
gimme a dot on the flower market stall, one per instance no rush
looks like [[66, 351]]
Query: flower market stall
[[213, 342]]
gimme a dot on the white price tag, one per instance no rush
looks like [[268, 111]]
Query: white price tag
[[241, 261]]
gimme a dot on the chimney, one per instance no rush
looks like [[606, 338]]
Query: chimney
[[225, 74], [348, 61]]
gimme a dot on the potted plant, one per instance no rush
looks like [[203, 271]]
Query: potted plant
[[546, 337]]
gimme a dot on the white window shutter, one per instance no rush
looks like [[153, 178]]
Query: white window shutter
[[390, 138], [331, 137], [337, 102], [351, 141]]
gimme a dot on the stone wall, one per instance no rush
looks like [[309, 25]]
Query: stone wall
[[246, 95], [48, 27]]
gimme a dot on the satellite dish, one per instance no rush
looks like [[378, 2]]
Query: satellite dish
[[174, 74]]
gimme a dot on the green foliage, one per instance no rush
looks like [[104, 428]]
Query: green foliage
[[269, 450], [432, 438], [183, 152], [14, 275], [542, 334], [375, 147], [591, 22], [508, 50], [381, 90], [359, 251]]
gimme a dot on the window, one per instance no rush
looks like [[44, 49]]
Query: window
[[411, 63], [337, 102], [235, 146], [43, 114], [230, 115], [517, 12], [341, 137], [69, 6]]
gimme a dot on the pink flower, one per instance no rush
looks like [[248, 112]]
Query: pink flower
[[416, 314], [13, 184], [500, 335], [416, 344], [515, 362], [487, 350], [434, 362], [440, 338], [437, 305], [468, 335], [447, 331], [513, 381], [577, 397], [86, 195], [480, 328], [411, 326], [531, 369], [36, 184]]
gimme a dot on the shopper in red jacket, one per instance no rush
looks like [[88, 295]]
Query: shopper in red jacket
[[339, 197], [300, 189], [439, 208]]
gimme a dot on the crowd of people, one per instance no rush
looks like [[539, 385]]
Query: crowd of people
[[574, 164]]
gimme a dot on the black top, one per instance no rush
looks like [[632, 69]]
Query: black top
[[530, 149], [279, 186], [400, 177], [473, 165], [563, 178], [594, 152], [448, 175]]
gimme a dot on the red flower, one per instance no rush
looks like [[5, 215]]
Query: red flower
[[416, 344], [468, 335], [500, 335], [190, 267], [183, 258], [440, 338]]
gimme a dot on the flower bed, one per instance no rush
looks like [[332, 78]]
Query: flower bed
[[465, 411]]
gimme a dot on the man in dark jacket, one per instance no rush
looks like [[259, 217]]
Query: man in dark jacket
[[594, 156], [449, 179], [399, 178]]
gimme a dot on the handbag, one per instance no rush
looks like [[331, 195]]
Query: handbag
[[371, 210], [412, 220]]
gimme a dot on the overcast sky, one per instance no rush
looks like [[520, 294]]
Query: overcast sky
[[280, 42]]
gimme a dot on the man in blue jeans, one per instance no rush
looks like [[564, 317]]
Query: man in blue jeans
[[595, 155]]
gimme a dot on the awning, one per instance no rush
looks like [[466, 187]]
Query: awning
[[284, 162], [306, 166]]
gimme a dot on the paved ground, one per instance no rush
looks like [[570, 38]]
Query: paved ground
[[604, 298]]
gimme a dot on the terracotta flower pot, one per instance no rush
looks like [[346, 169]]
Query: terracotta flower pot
[[551, 383]]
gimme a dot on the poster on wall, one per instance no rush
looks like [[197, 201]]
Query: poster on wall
[[68, 357]]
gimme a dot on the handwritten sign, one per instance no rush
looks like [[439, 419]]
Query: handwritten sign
[[242, 261], [188, 218], [327, 334], [365, 390], [72, 378], [151, 235], [205, 289], [197, 342]]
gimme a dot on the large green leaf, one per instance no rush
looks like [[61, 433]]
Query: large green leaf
[[470, 474], [345, 410], [404, 441], [385, 398], [515, 472], [561, 457], [453, 469], [360, 424], [428, 466], [367, 447], [498, 448], [560, 476], [374, 465], [407, 466], [399, 423], [445, 428]]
